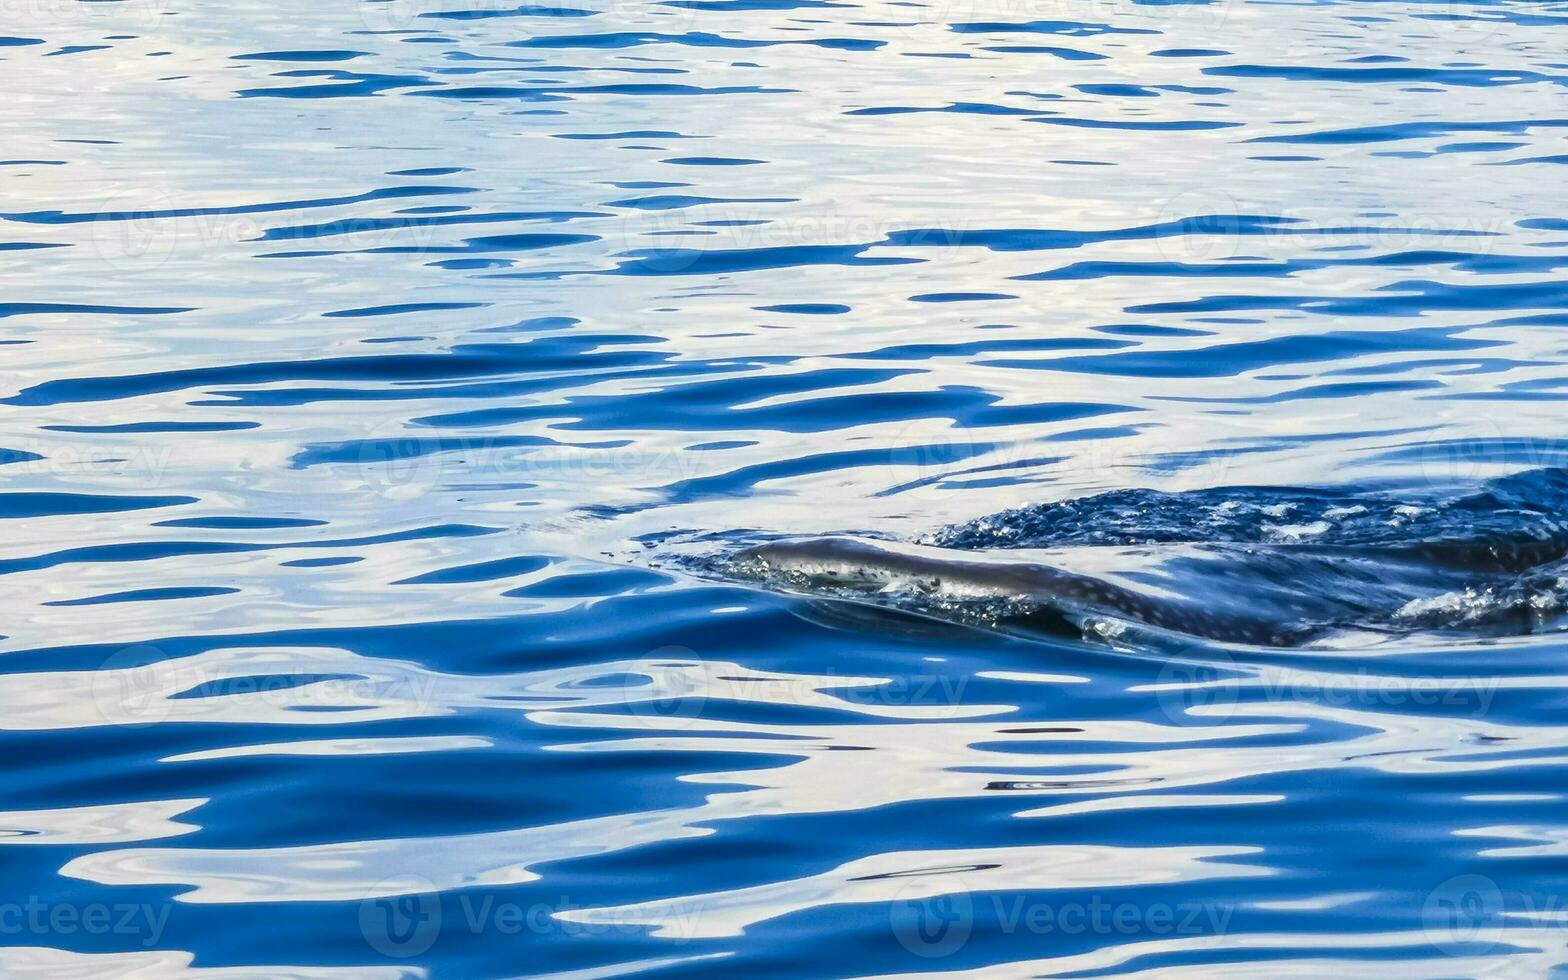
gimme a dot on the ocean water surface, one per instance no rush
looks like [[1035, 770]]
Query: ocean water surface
[[833, 488]]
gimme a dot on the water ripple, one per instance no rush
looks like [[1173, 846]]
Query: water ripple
[[387, 382]]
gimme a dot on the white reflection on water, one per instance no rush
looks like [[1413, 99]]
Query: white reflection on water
[[331, 686], [919, 875], [60, 964], [340, 747], [112, 823], [914, 753], [1374, 955]]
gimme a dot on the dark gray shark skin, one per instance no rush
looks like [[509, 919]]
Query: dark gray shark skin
[[858, 564]]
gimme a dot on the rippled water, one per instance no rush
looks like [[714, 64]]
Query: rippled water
[[390, 388]]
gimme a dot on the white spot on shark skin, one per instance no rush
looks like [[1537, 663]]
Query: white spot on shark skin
[[1109, 629], [1336, 512], [1548, 601], [1405, 513], [1295, 532], [1468, 604]]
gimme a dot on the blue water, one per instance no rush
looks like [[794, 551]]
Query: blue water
[[390, 387]]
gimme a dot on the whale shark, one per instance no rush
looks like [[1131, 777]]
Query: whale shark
[[1274, 567]]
